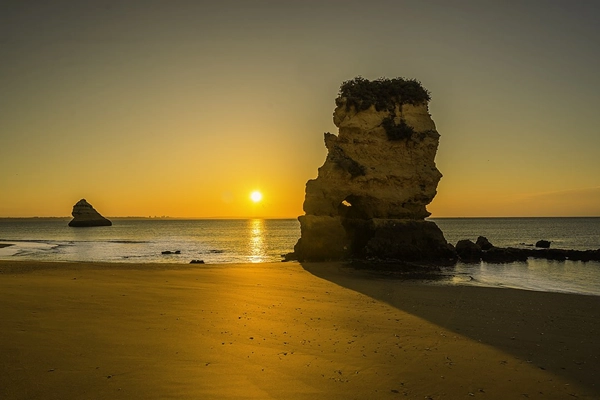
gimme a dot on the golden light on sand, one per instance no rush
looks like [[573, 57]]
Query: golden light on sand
[[256, 196]]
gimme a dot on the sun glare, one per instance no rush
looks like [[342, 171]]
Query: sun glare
[[256, 196]]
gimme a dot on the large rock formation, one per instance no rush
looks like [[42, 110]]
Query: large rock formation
[[85, 215], [369, 198]]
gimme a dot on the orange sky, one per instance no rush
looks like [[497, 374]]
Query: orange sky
[[183, 108]]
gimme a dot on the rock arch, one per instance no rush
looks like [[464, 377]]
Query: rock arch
[[370, 196]]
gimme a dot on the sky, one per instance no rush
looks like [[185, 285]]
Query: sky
[[183, 108]]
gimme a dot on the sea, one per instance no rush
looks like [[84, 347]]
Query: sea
[[226, 241]]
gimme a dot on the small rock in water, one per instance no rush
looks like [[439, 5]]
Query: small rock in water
[[504, 255], [197, 262], [84, 215], [544, 244], [484, 243], [468, 251]]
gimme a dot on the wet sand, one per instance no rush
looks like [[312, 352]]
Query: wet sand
[[284, 331]]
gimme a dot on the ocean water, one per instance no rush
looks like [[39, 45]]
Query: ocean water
[[258, 240], [535, 274], [564, 233], [143, 241]]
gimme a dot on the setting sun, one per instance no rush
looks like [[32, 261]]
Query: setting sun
[[256, 196]]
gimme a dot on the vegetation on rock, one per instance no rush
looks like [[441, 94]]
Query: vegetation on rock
[[397, 131], [384, 93]]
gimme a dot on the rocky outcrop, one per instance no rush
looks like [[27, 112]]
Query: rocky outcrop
[[84, 215], [544, 244], [370, 196], [484, 250], [501, 255], [484, 243], [468, 251]]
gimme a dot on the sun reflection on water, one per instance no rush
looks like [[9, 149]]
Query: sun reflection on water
[[257, 247]]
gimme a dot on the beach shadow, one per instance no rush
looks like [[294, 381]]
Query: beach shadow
[[553, 331]]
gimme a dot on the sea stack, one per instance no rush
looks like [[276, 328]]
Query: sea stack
[[370, 196], [84, 215]]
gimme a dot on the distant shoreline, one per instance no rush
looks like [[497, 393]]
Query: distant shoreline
[[273, 218], [152, 218]]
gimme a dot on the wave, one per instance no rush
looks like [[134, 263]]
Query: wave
[[46, 241], [123, 241], [28, 240]]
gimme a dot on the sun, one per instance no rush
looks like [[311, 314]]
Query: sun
[[256, 196]]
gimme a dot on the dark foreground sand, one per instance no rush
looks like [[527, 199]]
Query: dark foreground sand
[[284, 331]]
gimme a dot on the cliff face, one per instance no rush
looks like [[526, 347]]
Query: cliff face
[[370, 195], [84, 215]]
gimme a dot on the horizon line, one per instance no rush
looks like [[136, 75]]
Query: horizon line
[[296, 217]]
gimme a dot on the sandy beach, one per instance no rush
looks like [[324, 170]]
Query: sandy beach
[[284, 331]]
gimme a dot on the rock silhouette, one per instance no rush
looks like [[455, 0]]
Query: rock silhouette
[[370, 196], [84, 215]]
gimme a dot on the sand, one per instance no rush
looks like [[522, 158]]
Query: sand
[[284, 331]]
